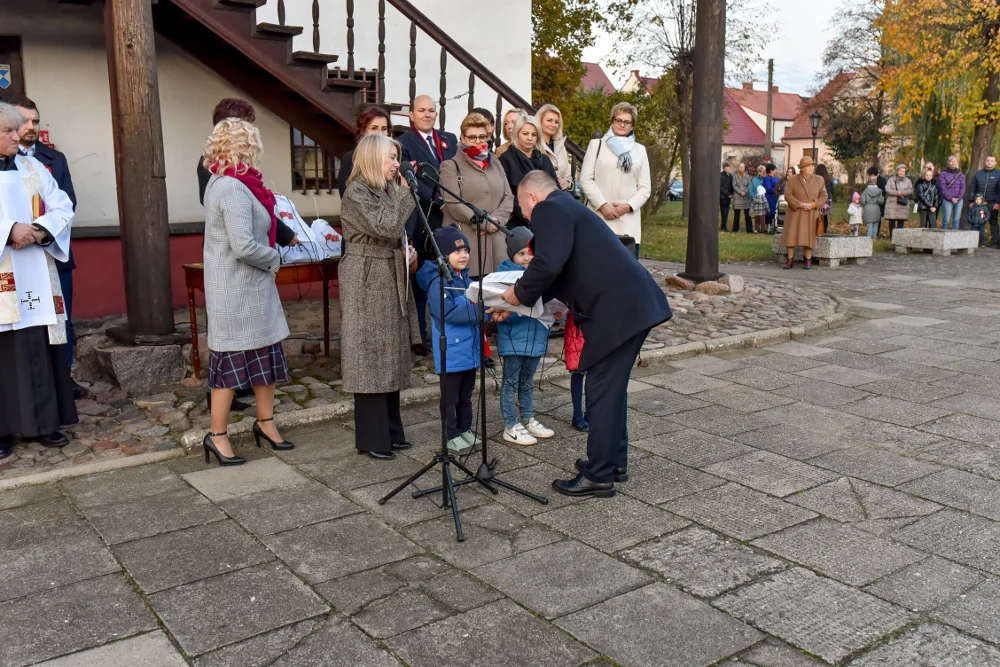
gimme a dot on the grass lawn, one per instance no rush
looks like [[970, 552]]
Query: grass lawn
[[664, 237]]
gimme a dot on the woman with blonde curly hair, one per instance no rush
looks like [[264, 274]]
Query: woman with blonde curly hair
[[378, 312], [246, 323]]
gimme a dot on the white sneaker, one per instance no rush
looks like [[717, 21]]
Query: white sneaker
[[517, 435], [537, 429]]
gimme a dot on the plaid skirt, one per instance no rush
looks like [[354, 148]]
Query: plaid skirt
[[251, 368]]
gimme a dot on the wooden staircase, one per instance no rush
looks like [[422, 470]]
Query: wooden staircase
[[315, 92]]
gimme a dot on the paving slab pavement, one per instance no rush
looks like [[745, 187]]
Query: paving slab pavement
[[826, 501]]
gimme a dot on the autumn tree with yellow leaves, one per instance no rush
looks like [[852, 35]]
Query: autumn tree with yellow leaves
[[946, 53]]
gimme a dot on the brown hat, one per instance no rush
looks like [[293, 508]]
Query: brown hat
[[806, 161]]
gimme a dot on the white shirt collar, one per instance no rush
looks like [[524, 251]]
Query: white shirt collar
[[26, 150]]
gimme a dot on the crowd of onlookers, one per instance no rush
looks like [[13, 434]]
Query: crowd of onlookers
[[936, 197]]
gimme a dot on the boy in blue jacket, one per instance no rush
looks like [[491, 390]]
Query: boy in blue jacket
[[462, 330], [523, 342]]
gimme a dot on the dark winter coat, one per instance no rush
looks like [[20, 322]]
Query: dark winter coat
[[986, 183], [461, 319], [57, 165], [517, 165], [928, 196], [521, 336], [979, 215], [725, 186], [579, 260]]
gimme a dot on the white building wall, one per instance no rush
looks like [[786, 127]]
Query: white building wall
[[66, 74]]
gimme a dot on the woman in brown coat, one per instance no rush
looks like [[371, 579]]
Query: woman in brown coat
[[378, 316], [476, 176], [805, 194]]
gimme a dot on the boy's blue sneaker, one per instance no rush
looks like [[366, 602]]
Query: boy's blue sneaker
[[581, 424]]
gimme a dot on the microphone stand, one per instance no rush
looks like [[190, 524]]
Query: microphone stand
[[486, 472], [444, 457]]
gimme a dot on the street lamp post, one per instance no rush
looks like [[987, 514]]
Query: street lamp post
[[814, 119]]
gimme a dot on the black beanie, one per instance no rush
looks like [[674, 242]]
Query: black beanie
[[518, 241], [450, 239]]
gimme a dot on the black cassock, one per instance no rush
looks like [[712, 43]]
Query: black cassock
[[36, 393]]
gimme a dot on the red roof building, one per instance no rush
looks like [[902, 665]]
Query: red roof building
[[595, 78], [740, 128], [784, 106]]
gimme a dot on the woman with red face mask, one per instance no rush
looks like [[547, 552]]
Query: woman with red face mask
[[476, 176]]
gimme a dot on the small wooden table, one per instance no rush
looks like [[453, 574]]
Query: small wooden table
[[323, 271]]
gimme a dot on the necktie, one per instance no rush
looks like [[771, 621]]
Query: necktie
[[430, 144]]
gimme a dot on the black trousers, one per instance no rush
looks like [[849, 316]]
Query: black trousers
[[994, 227], [456, 388], [377, 422], [36, 393], [607, 410], [724, 205], [736, 219]]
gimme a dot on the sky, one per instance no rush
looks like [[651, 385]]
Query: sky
[[797, 45]]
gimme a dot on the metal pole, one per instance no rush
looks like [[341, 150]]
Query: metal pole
[[768, 127], [702, 260]]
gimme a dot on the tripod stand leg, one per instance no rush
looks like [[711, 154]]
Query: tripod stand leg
[[436, 489], [474, 477], [454, 505], [413, 478], [528, 494]]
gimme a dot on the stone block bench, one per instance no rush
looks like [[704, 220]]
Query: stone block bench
[[938, 241], [832, 250]]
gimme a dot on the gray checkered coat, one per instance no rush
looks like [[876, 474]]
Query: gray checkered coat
[[378, 315], [241, 299]]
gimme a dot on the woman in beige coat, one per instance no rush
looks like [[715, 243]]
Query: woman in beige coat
[[378, 316], [615, 175], [805, 195], [477, 177], [553, 143]]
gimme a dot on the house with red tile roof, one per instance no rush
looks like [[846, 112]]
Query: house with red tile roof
[[798, 139], [785, 107], [596, 78], [635, 81]]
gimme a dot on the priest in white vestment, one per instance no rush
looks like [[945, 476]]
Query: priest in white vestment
[[36, 393]]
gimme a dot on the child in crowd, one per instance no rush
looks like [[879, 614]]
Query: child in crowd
[[464, 335], [759, 209], [523, 341], [979, 215], [573, 346], [855, 214], [872, 200]]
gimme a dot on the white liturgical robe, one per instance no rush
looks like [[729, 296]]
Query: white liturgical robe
[[30, 294]]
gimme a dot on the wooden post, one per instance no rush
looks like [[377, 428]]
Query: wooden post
[[139, 167], [702, 260], [769, 124]]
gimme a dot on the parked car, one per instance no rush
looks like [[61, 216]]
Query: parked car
[[676, 192]]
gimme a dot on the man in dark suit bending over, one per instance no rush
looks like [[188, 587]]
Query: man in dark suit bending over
[[579, 260]]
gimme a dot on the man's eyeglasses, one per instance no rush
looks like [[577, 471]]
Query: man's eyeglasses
[[623, 123], [477, 139]]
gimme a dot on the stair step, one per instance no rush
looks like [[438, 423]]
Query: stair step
[[240, 4], [345, 82], [275, 31], [310, 59]]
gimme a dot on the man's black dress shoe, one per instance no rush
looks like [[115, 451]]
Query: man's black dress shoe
[[580, 486], [6, 446], [56, 439], [621, 474], [401, 445], [382, 456]]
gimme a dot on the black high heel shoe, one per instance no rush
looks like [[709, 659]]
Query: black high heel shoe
[[258, 433], [210, 449]]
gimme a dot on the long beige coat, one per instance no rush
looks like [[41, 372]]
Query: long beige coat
[[560, 157], [602, 181], [800, 223], [378, 315], [489, 191], [898, 187]]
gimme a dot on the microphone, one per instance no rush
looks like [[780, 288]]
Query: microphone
[[406, 169]]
